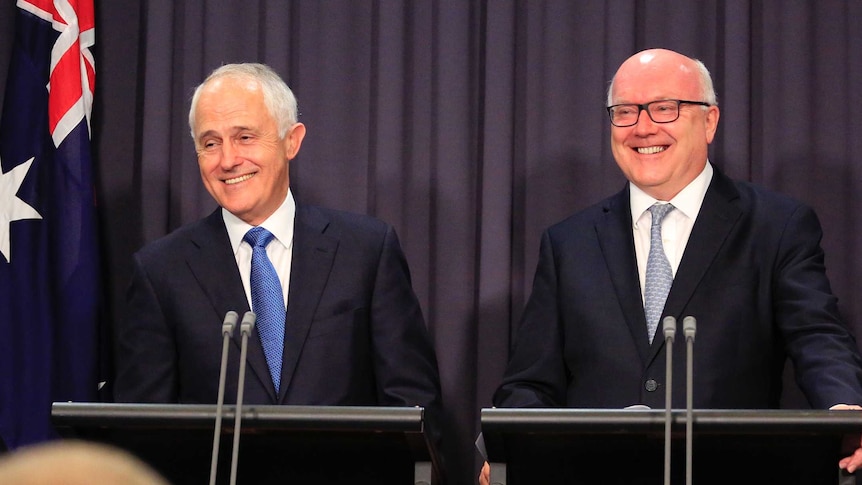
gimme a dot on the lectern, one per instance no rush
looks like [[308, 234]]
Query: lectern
[[278, 444], [588, 446]]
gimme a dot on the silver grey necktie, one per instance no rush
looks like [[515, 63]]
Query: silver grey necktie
[[659, 275]]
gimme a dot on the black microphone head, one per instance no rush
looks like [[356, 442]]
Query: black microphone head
[[669, 327], [689, 325]]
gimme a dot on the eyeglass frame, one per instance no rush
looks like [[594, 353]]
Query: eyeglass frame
[[645, 107]]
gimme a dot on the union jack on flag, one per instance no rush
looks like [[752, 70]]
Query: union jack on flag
[[50, 290]]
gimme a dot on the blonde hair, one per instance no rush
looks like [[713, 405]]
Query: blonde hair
[[73, 462]]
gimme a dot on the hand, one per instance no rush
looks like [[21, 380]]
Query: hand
[[485, 474], [854, 461]]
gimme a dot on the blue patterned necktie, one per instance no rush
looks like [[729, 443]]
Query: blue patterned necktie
[[659, 275], [267, 301]]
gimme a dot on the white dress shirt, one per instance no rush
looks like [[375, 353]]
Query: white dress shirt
[[279, 250], [675, 227]]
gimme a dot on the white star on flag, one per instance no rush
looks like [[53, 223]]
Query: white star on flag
[[11, 207]]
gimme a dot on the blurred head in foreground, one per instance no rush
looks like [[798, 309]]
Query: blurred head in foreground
[[73, 462]]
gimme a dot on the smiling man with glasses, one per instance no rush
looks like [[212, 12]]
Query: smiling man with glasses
[[745, 262]]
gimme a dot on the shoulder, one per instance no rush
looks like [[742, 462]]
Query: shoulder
[[192, 235], [340, 217], [762, 198], [340, 222], [613, 211], [752, 198]]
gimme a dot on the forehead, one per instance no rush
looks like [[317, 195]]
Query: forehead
[[643, 79], [230, 102]]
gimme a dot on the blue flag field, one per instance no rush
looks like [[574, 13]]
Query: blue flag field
[[50, 291]]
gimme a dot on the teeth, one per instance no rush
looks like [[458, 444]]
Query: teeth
[[239, 179], [650, 150]]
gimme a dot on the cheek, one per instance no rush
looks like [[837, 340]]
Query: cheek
[[277, 171], [618, 138], [618, 149], [209, 176], [207, 163]]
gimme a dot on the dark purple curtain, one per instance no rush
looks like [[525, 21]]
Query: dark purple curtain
[[471, 125]]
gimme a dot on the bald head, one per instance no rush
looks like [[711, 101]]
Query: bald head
[[660, 65]]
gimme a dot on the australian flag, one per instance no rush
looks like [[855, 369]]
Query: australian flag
[[50, 292]]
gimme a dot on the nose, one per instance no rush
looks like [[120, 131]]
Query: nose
[[230, 155], [645, 124]]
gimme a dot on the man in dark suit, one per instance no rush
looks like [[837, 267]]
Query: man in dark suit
[[745, 262], [353, 332]]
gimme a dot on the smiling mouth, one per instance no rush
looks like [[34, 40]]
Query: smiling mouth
[[651, 150], [239, 179]]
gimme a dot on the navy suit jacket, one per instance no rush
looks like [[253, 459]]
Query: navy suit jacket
[[752, 275], [354, 331]]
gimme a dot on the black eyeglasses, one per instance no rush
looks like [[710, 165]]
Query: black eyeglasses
[[661, 111]]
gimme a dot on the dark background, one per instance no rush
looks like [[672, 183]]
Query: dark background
[[471, 125]]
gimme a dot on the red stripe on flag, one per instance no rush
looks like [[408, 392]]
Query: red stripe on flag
[[65, 85], [46, 6], [91, 75], [86, 14]]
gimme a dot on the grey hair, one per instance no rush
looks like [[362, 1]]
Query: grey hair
[[708, 89], [277, 96]]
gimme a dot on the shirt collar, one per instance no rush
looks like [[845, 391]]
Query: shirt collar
[[687, 201], [280, 224]]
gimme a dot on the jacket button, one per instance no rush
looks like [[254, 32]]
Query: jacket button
[[650, 385]]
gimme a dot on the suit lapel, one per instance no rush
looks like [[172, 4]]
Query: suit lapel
[[614, 231], [718, 214], [716, 218], [221, 282], [313, 256], [223, 286]]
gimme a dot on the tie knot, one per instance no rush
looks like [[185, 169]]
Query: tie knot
[[659, 211], [258, 237]]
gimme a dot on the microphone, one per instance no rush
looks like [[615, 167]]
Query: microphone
[[227, 327], [689, 325], [669, 328], [245, 330]]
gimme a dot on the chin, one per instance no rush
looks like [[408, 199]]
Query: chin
[[238, 208]]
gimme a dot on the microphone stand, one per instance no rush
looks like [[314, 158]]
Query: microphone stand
[[227, 327], [669, 328], [245, 328], [689, 325]]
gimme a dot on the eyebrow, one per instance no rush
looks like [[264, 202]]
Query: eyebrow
[[233, 131]]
